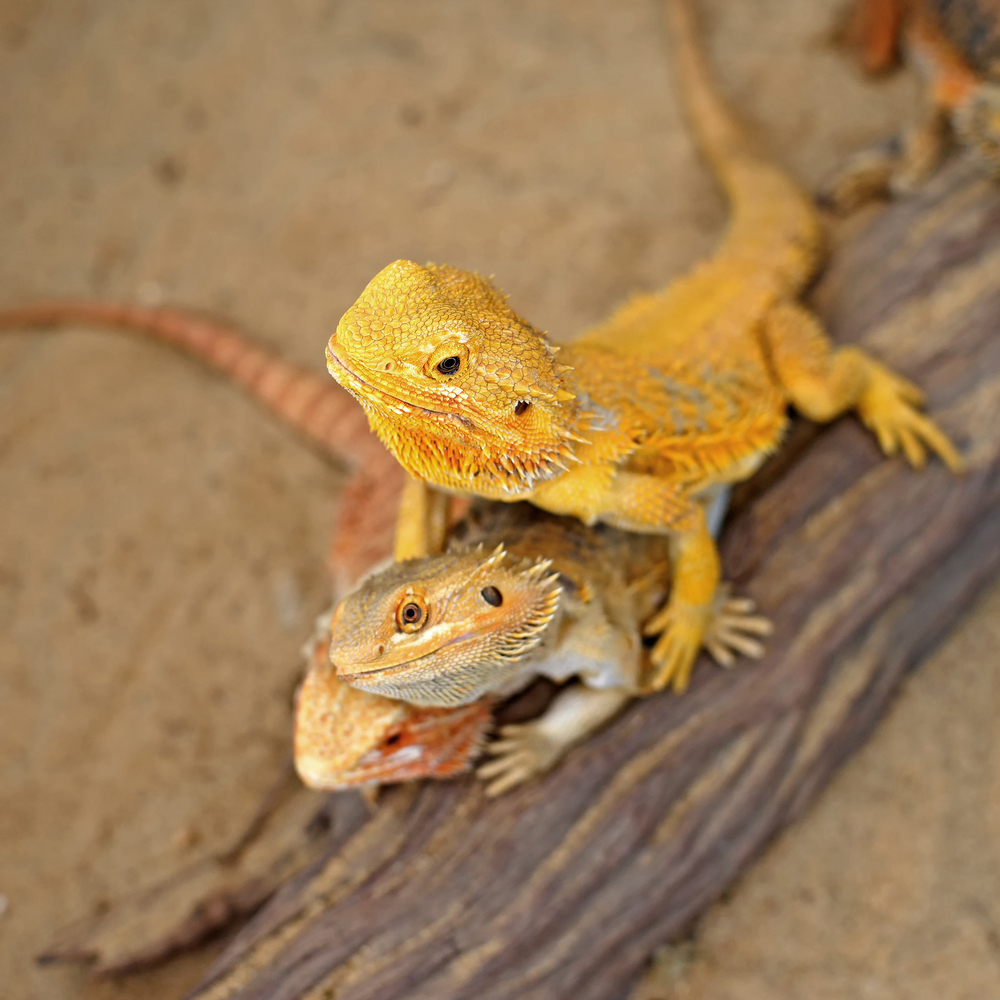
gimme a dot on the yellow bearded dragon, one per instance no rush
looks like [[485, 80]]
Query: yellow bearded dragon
[[645, 420], [955, 46], [524, 594]]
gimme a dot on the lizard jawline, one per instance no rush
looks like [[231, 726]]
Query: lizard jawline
[[515, 476], [399, 660]]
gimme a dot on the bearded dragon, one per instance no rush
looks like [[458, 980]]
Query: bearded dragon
[[522, 594], [643, 421], [345, 737], [955, 46]]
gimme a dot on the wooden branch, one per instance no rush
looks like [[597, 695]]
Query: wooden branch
[[565, 887]]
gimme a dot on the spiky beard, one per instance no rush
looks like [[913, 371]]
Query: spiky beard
[[446, 451], [453, 452]]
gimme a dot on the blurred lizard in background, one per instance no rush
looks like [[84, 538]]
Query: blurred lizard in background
[[955, 46], [679, 394]]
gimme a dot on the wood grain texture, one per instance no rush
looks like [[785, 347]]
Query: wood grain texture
[[565, 887]]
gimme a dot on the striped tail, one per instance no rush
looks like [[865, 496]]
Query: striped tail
[[312, 404], [774, 225]]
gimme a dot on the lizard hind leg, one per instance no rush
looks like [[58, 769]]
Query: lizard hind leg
[[822, 382], [977, 123], [528, 749], [896, 166]]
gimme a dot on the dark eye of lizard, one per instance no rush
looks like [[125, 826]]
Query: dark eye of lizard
[[411, 615], [448, 366], [520, 406], [492, 596]]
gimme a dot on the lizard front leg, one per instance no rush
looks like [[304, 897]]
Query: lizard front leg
[[635, 502], [822, 382], [422, 522], [532, 748], [649, 504], [684, 621]]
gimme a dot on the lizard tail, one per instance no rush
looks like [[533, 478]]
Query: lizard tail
[[313, 405], [773, 222]]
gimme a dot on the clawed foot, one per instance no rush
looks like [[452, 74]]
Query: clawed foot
[[733, 628], [683, 627], [868, 175], [726, 627], [888, 408], [522, 752]]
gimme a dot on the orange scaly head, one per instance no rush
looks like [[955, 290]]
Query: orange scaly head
[[345, 737], [457, 386], [445, 630]]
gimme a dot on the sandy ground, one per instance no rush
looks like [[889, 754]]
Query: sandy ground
[[162, 541]]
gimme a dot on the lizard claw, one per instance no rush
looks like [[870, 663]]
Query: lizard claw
[[725, 627], [733, 628], [683, 628], [522, 752], [888, 409]]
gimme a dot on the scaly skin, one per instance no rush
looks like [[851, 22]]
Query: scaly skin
[[538, 595], [955, 45], [678, 394]]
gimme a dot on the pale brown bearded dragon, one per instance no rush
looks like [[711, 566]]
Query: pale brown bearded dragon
[[640, 423], [524, 594]]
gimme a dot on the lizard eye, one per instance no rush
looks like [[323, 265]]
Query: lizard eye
[[492, 596], [411, 615], [448, 366], [520, 406]]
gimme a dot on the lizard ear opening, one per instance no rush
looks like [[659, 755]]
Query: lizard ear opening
[[492, 596]]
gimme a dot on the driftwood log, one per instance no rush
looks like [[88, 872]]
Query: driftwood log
[[565, 887]]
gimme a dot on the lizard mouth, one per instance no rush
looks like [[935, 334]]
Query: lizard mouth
[[346, 376], [401, 659]]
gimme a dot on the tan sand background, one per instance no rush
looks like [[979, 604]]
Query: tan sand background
[[162, 541]]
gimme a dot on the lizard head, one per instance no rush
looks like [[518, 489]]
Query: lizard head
[[345, 737], [458, 387], [445, 630]]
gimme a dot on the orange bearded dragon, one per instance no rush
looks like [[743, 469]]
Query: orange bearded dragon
[[643, 422], [955, 46], [523, 594]]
